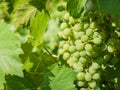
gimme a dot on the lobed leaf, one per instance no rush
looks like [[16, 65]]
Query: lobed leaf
[[9, 53]]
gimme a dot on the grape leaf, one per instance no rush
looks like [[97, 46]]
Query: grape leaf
[[41, 61], [63, 78], [75, 7], [9, 53], [39, 4], [23, 14], [26, 83], [38, 26]]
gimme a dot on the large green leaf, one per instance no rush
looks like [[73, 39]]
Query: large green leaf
[[63, 78], [23, 14], [75, 7], [9, 53], [38, 26]]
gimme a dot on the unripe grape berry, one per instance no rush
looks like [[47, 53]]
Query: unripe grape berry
[[60, 34], [66, 16], [79, 69], [95, 65], [72, 49], [77, 35], [83, 53], [107, 57], [66, 46], [86, 25], [71, 20], [93, 25], [80, 83], [97, 41], [88, 47], [76, 54], [83, 60], [89, 32], [77, 27], [83, 89], [66, 56], [88, 76], [92, 84], [67, 32], [61, 43], [84, 38], [77, 42], [96, 76], [73, 58], [70, 62], [80, 46], [110, 49], [95, 34], [80, 76], [91, 70], [63, 25], [77, 64], [61, 51]]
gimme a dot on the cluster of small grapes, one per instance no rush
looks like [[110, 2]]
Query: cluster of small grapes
[[87, 47]]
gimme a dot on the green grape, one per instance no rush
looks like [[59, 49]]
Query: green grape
[[61, 43], [89, 32], [80, 83], [61, 51], [92, 84], [66, 16], [77, 42], [93, 25], [77, 35], [83, 53], [77, 27], [66, 46], [73, 58], [83, 89], [110, 49], [60, 34], [107, 57], [83, 60], [80, 76], [91, 70], [81, 33], [95, 65], [86, 25], [84, 38], [66, 56], [91, 53], [79, 69], [67, 32], [70, 62], [96, 76], [76, 54], [80, 46], [63, 25], [77, 64], [88, 47], [72, 49], [95, 34], [88, 76], [97, 41], [71, 20]]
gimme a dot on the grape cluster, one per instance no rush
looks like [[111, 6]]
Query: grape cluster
[[87, 47]]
